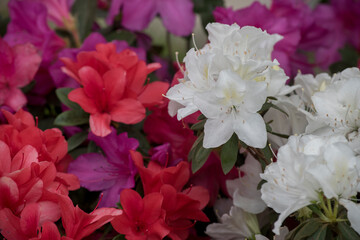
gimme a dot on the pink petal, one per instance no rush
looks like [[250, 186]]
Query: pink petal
[[100, 124], [15, 99], [24, 158], [29, 219], [5, 162], [26, 63], [131, 203], [9, 192]]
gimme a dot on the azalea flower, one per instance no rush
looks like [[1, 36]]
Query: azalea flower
[[306, 167], [244, 189], [304, 30], [78, 224], [110, 173], [19, 65], [234, 74], [113, 86], [33, 217], [335, 108], [141, 218], [182, 206], [177, 15]]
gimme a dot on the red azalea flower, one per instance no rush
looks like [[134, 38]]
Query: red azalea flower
[[104, 98], [154, 176], [21, 131], [182, 211], [113, 86], [34, 222], [142, 218], [78, 224]]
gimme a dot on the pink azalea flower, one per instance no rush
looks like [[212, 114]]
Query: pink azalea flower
[[177, 15], [111, 173], [58, 11], [18, 67]]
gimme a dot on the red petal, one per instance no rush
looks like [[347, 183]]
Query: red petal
[[92, 82], [132, 203], [128, 111], [100, 124], [88, 104], [5, 162], [115, 82], [9, 193], [29, 219], [153, 93], [152, 207], [49, 232]]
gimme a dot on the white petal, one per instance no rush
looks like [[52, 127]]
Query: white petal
[[250, 128], [353, 213], [217, 131]]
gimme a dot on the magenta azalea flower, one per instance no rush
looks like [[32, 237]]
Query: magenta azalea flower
[[304, 30], [110, 173], [18, 67], [29, 24], [177, 15]]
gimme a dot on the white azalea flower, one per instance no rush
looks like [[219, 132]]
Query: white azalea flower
[[238, 225], [232, 107], [305, 166], [294, 123], [242, 55], [244, 189], [353, 213], [337, 108]]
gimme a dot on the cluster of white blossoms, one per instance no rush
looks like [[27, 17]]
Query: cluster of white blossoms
[[229, 80], [324, 160], [318, 165]]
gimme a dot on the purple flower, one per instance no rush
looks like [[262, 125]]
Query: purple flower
[[347, 13], [29, 24], [163, 155], [177, 15], [58, 10], [110, 173]]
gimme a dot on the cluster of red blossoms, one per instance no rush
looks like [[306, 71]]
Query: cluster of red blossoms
[[113, 86], [34, 185], [166, 209]]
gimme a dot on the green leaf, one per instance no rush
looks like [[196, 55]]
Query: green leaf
[[124, 35], [201, 117], [229, 153], [267, 105], [62, 94], [76, 140], [198, 126], [198, 154], [119, 237], [84, 11], [347, 232], [320, 234], [72, 118], [205, 9], [312, 226]]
